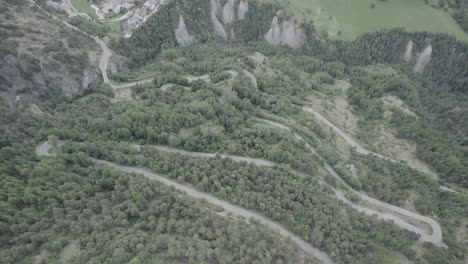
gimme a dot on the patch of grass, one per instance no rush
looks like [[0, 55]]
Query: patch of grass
[[83, 6], [115, 28], [55, 150], [347, 19]]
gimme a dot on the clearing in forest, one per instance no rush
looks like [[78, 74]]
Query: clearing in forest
[[83, 6], [347, 19]]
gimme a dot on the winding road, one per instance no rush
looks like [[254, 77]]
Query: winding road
[[106, 52], [119, 89], [236, 210], [43, 150], [122, 88], [258, 162], [435, 237], [359, 149]]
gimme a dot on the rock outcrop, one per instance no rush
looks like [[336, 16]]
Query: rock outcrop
[[286, 32], [218, 27], [228, 12], [90, 74], [183, 38], [225, 18], [215, 6], [242, 9], [409, 51], [258, 58], [116, 63], [423, 59]]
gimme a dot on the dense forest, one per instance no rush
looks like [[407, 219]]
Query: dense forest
[[113, 217], [217, 117], [440, 95], [440, 133], [448, 59], [148, 41], [49, 204], [303, 205], [458, 9]]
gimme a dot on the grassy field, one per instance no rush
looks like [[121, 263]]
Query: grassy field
[[83, 6], [114, 28], [347, 19]]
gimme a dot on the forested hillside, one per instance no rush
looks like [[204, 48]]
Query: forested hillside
[[111, 217], [447, 65], [458, 9], [216, 116], [159, 32], [339, 151]]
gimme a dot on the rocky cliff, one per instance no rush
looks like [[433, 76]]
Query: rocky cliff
[[184, 23], [184, 39], [422, 58], [285, 32]]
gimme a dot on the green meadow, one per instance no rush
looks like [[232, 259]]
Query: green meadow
[[115, 29], [347, 19], [83, 6]]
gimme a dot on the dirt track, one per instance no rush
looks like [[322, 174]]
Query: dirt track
[[43, 150], [435, 237]]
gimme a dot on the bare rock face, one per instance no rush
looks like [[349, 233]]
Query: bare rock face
[[90, 74], [273, 36], [409, 51], [286, 32], [215, 6], [218, 27], [29, 78], [258, 58], [184, 39], [242, 9], [228, 12], [423, 59], [116, 63]]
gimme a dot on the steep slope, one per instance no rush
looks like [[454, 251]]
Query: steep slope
[[182, 23], [444, 65], [444, 60], [41, 58]]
